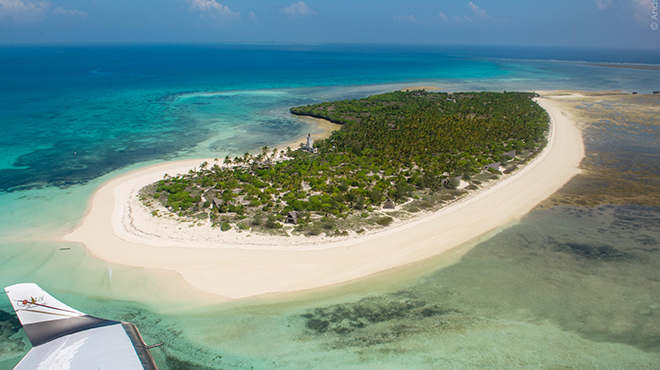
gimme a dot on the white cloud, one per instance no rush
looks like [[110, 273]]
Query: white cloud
[[213, 9], [406, 18], [74, 13], [462, 19], [478, 16], [24, 10], [253, 17], [478, 12], [644, 10], [34, 11], [647, 4], [299, 9]]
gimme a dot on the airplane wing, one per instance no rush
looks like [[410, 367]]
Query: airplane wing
[[67, 339]]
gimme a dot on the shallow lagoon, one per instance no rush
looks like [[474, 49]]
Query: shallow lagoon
[[565, 287]]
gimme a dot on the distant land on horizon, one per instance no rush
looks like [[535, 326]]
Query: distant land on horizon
[[595, 56]]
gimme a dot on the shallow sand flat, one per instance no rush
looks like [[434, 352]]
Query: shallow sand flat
[[239, 273], [424, 87]]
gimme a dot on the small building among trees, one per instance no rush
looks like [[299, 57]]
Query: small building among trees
[[292, 218], [494, 165], [217, 203], [389, 204], [511, 154]]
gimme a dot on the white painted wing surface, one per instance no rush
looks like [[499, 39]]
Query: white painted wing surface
[[105, 348], [65, 338]]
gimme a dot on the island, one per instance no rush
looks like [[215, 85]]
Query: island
[[394, 155], [235, 264]]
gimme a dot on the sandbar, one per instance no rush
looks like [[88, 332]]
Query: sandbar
[[423, 87], [235, 272]]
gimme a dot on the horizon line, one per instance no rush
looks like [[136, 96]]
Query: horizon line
[[296, 43]]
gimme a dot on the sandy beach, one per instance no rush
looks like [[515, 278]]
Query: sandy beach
[[245, 269], [423, 87]]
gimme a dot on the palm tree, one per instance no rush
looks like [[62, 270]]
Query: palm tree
[[272, 156]]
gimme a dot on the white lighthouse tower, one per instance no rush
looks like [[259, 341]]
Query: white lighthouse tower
[[310, 145]]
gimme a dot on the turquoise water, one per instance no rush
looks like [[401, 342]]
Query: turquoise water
[[74, 117], [72, 114]]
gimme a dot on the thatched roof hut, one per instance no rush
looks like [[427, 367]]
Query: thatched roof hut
[[511, 154], [217, 203], [389, 204], [292, 218], [494, 165]]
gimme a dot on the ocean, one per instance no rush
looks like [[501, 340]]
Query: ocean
[[566, 287]]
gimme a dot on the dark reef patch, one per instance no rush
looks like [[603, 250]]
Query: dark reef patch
[[591, 271], [348, 317], [622, 161], [594, 271], [174, 363], [382, 321], [604, 252], [12, 345], [9, 321]]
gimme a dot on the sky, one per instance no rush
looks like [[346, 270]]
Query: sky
[[571, 23]]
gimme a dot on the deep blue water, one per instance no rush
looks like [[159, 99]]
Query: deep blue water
[[73, 113]]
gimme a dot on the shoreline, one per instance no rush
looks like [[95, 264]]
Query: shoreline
[[137, 224], [239, 272]]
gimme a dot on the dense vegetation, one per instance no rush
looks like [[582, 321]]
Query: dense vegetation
[[410, 147]]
